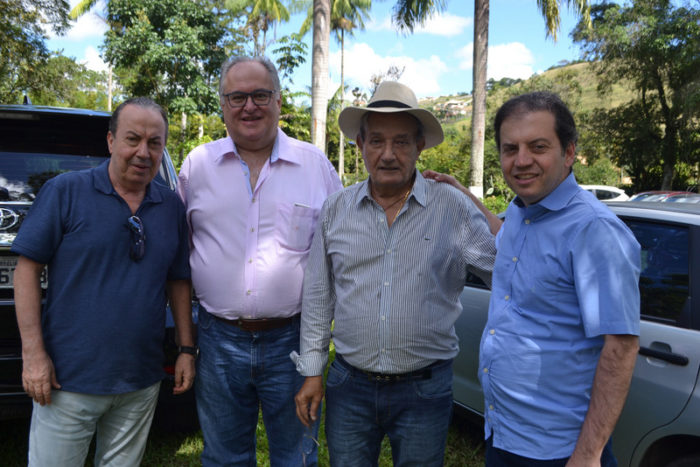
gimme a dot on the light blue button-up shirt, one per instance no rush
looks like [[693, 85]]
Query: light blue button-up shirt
[[566, 274]]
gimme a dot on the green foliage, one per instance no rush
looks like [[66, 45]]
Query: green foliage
[[167, 49], [200, 129], [70, 84], [600, 172], [654, 44], [23, 52]]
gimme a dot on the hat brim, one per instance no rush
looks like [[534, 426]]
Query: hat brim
[[350, 119]]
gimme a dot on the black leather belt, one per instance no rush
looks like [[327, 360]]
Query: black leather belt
[[422, 373], [257, 325]]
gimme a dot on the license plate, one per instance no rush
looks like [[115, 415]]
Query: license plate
[[7, 272]]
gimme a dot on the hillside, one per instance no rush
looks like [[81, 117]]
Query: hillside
[[456, 109]]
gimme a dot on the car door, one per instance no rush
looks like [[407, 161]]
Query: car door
[[667, 366]]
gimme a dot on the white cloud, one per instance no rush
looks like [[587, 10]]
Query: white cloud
[[513, 60], [439, 25], [93, 60], [361, 62], [88, 26]]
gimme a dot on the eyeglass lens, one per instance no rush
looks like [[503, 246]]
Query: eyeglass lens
[[259, 97], [138, 238]]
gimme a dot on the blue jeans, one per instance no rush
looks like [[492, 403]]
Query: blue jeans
[[499, 458], [414, 413], [239, 372]]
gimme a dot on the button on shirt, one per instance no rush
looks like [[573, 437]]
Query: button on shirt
[[393, 291], [566, 274], [249, 246]]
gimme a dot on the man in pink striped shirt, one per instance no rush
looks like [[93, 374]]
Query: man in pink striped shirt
[[252, 201]]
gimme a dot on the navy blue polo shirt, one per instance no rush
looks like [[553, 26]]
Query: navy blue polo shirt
[[104, 319]]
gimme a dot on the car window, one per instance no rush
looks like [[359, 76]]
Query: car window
[[23, 175], [664, 278], [605, 194]]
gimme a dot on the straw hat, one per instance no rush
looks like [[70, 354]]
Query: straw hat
[[392, 97]]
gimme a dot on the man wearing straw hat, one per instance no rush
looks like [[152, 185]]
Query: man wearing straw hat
[[388, 262]]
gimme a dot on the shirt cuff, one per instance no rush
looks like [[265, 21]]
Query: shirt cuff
[[309, 365]]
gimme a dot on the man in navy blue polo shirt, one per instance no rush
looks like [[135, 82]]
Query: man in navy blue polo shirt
[[116, 246]]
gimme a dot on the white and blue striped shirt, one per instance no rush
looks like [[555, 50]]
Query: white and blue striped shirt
[[392, 291]]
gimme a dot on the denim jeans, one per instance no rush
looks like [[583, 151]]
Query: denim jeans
[[499, 458], [413, 413], [61, 432], [239, 372]]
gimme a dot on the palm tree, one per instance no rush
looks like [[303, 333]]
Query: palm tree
[[264, 14], [319, 71], [79, 10], [408, 13], [346, 16]]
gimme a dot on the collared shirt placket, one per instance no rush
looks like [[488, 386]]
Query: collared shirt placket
[[251, 253]]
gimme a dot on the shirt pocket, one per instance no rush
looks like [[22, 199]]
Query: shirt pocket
[[294, 226]]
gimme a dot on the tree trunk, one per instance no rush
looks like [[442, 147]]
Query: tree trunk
[[319, 72], [109, 89], [481, 44], [183, 130], [341, 140]]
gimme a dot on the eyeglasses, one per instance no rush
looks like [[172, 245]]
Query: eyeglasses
[[138, 238], [238, 99]]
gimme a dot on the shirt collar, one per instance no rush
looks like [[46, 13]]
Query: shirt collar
[[280, 150], [559, 198], [418, 191], [102, 183]]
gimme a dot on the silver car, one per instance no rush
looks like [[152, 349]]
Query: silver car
[[660, 424]]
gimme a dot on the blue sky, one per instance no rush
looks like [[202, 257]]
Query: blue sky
[[437, 57]]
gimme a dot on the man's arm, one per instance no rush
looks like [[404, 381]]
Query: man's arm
[[38, 374], [610, 386], [180, 295], [493, 220], [318, 306]]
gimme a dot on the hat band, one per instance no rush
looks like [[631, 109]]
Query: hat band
[[388, 103]]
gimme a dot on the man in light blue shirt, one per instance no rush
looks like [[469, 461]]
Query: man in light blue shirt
[[560, 344]]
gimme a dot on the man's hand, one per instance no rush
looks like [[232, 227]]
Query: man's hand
[[39, 377], [444, 178], [308, 400], [184, 373]]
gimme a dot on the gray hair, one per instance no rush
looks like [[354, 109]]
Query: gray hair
[[144, 102], [264, 61]]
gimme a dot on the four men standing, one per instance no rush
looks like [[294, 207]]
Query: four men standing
[[387, 264], [252, 202]]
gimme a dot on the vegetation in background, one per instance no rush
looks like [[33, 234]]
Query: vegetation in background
[[636, 97], [654, 45]]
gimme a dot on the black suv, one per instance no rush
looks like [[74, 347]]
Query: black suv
[[36, 144]]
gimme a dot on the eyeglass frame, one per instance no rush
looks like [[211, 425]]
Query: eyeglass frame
[[268, 92], [137, 250]]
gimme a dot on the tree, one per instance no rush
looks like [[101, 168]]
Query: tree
[[22, 44], [408, 13], [169, 50], [319, 72], [656, 46]]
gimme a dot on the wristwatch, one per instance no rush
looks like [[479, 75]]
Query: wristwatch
[[194, 350]]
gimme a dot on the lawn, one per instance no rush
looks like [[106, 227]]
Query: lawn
[[464, 447]]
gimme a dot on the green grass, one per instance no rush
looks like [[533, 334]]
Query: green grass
[[464, 447]]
